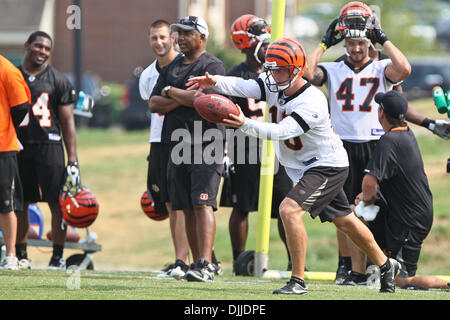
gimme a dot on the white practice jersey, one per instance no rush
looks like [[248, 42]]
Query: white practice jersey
[[301, 130], [147, 81], [354, 112]]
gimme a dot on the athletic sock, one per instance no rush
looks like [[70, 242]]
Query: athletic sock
[[346, 262], [21, 251], [58, 251], [385, 267], [299, 281], [213, 257], [236, 253]]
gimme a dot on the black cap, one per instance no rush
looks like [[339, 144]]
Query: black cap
[[393, 103]]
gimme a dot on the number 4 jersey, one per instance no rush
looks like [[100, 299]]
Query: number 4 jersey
[[354, 112], [49, 90]]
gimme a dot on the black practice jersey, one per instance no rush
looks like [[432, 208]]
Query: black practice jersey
[[177, 74], [397, 164], [251, 108], [49, 90]]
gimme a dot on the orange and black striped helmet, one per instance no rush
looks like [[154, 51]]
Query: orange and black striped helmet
[[148, 206], [248, 30], [355, 18], [79, 210], [285, 53]]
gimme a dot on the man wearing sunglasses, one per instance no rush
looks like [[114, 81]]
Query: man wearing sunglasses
[[192, 185]]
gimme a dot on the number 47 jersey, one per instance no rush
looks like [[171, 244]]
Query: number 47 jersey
[[49, 90], [354, 112]]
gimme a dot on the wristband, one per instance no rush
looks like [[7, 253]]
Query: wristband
[[323, 46], [429, 124]]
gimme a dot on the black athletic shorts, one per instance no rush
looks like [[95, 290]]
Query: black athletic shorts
[[154, 176], [398, 240], [190, 185], [241, 189], [320, 193], [11, 197], [359, 155], [164, 155], [42, 171]]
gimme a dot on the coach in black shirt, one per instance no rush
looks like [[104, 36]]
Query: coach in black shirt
[[396, 167], [193, 183]]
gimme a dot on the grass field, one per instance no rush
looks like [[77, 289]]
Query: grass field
[[114, 167], [123, 285]]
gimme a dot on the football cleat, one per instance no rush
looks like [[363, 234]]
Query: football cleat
[[387, 278], [203, 271], [292, 287], [57, 264], [354, 278]]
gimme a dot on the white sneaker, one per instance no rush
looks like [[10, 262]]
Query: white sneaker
[[57, 265], [9, 263], [24, 264]]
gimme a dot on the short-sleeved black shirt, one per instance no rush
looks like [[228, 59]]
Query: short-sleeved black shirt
[[177, 74], [49, 90], [397, 164], [248, 106]]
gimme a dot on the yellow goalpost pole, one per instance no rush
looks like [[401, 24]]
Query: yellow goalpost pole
[[267, 165]]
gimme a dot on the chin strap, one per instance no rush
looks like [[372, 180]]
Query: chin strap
[[262, 38]]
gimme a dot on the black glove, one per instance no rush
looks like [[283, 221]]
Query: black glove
[[440, 128], [376, 34], [331, 36], [73, 173]]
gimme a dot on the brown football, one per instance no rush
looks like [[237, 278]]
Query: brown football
[[72, 235], [214, 107]]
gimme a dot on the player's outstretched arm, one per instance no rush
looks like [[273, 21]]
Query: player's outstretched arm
[[235, 121], [440, 128], [201, 83]]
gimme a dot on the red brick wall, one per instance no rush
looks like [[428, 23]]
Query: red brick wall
[[115, 38]]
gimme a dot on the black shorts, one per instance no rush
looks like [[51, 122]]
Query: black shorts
[[398, 240], [154, 176], [241, 189], [42, 171], [11, 197], [164, 156], [359, 155], [320, 193], [191, 185]]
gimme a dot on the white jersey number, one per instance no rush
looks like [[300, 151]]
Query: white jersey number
[[40, 109]]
